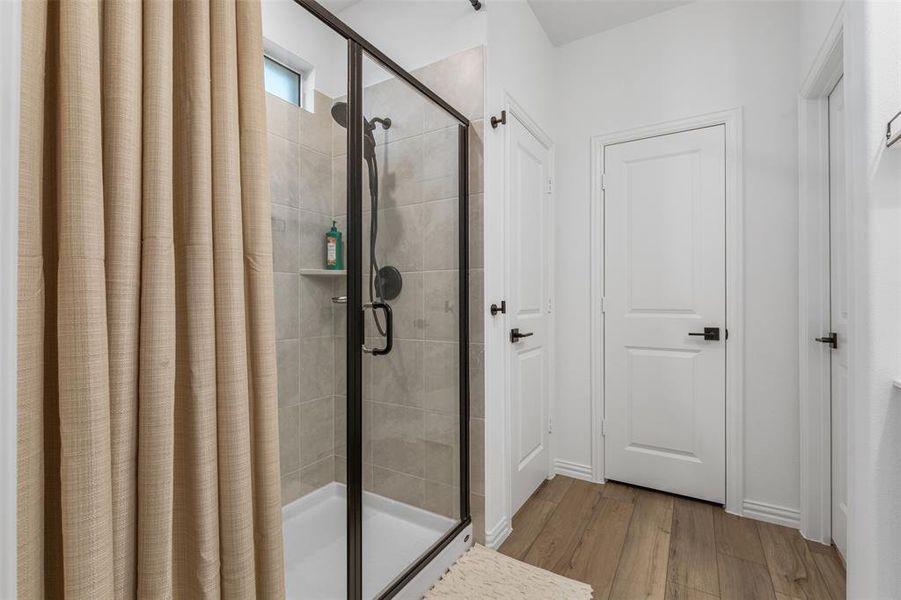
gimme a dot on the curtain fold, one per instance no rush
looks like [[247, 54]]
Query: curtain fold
[[148, 433]]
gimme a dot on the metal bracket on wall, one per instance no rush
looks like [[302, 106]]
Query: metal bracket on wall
[[892, 136], [502, 121]]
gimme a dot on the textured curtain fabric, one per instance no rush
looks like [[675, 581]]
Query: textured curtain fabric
[[147, 434]]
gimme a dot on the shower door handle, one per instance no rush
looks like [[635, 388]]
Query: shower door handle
[[389, 328]]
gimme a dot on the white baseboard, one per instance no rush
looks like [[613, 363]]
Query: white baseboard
[[770, 513], [498, 534], [574, 470]]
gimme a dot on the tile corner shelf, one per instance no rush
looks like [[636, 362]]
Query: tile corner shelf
[[323, 273]]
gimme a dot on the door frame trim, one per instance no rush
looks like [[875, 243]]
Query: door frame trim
[[732, 121], [10, 83], [517, 111], [813, 285]]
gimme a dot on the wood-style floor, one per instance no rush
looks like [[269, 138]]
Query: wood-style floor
[[632, 543]]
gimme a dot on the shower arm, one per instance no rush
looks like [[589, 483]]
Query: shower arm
[[385, 123]]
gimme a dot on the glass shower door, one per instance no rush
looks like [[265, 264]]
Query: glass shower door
[[414, 326]]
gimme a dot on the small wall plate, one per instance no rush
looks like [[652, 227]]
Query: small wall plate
[[388, 283]]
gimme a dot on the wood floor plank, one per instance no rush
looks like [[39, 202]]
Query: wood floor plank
[[692, 550], [816, 547], [596, 556], [675, 591], [743, 579], [553, 490], [527, 526], [620, 491], [790, 562], [632, 543], [565, 526], [832, 569], [642, 566], [737, 537]]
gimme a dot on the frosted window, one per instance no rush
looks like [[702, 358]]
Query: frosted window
[[281, 81]]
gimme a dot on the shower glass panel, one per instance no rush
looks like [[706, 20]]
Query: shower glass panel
[[411, 284], [372, 353], [307, 166]]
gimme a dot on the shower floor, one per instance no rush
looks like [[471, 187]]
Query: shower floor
[[394, 536]]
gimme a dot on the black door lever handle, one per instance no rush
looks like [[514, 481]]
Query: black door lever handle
[[515, 335], [710, 334]]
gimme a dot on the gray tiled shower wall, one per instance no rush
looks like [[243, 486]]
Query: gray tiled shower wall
[[300, 164], [410, 397]]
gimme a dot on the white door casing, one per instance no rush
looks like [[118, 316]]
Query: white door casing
[[665, 276], [814, 286], [528, 185], [838, 314]]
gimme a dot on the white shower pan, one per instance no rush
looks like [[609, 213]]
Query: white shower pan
[[394, 536]]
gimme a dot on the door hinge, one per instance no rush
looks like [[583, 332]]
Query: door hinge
[[603, 181], [550, 425], [604, 427], [550, 305], [603, 305], [550, 185]]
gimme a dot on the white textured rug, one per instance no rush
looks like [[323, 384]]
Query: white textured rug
[[482, 573]]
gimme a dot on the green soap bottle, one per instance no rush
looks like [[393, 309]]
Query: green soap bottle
[[334, 253]]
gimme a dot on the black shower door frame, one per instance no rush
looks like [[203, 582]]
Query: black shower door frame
[[357, 45]]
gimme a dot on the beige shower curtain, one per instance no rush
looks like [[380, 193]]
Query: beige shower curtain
[[147, 434]]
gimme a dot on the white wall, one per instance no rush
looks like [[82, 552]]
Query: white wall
[[520, 63], [10, 38], [873, 94], [695, 59], [294, 29]]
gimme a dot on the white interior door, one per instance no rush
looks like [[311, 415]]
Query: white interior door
[[838, 291], [528, 169], [665, 269]]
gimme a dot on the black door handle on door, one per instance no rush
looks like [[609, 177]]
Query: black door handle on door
[[711, 334], [515, 335]]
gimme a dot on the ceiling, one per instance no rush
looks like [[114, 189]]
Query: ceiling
[[567, 20]]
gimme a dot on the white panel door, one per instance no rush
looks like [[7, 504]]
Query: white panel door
[[527, 307], [665, 268], [838, 314]]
